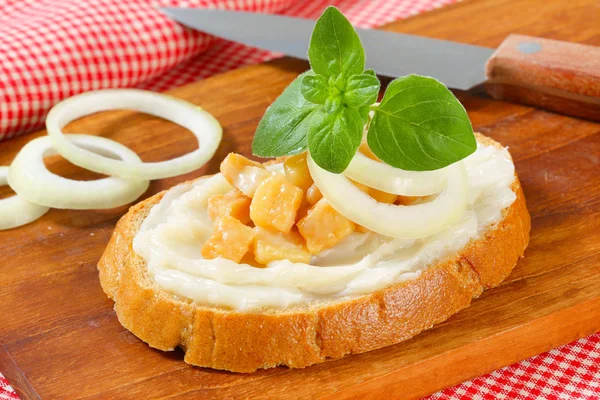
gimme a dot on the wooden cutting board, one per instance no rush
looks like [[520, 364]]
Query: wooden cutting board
[[58, 332]]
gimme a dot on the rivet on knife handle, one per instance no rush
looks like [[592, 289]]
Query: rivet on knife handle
[[558, 76]]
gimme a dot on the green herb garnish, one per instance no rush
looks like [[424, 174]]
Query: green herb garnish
[[419, 124]]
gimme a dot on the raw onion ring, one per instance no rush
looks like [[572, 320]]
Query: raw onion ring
[[203, 125], [406, 222], [15, 210], [29, 177], [384, 177]]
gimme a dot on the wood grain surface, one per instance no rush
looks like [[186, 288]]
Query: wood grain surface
[[59, 335]]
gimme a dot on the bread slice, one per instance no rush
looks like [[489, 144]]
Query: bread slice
[[307, 333]]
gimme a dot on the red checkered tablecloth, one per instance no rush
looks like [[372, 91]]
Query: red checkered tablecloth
[[6, 391], [53, 49]]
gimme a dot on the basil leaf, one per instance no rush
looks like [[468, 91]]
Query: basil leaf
[[334, 138], [420, 126], [361, 90], [335, 48], [282, 130], [332, 104], [314, 88], [370, 72], [364, 113]]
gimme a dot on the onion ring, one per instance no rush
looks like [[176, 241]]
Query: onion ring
[[386, 178], [405, 222], [204, 126], [15, 210], [29, 177]]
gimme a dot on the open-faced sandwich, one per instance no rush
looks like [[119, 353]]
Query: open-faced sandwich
[[377, 221]]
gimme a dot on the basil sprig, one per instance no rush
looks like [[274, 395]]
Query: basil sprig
[[419, 124]]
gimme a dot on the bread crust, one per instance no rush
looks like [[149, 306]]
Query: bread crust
[[308, 334]]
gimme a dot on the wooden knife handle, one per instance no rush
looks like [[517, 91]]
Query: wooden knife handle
[[558, 76]]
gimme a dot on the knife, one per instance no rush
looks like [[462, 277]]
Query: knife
[[559, 76]]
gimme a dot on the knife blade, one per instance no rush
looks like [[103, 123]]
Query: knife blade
[[559, 76], [388, 53]]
